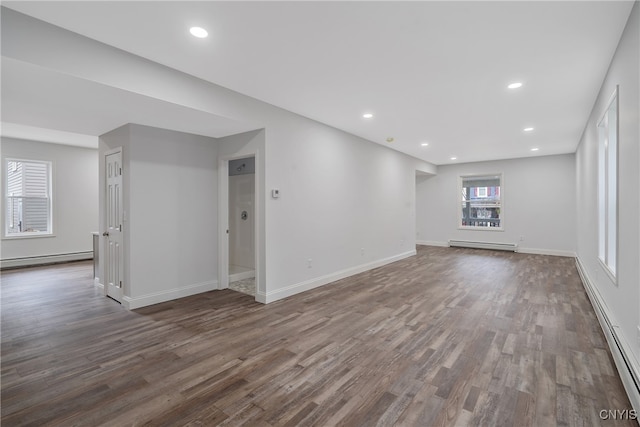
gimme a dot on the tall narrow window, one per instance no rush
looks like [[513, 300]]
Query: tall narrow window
[[481, 202], [608, 186], [28, 198]]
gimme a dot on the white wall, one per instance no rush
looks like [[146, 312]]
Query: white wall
[[170, 227], [623, 299], [538, 204], [345, 204], [75, 199]]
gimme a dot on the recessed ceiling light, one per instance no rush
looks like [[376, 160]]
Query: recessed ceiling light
[[454, 158], [198, 32], [528, 129], [367, 115], [534, 149], [425, 144], [515, 85], [390, 139]]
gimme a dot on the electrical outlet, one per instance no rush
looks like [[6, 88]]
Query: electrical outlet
[[522, 238], [309, 263], [401, 242], [361, 251]]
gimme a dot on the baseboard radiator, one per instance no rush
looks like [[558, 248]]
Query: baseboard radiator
[[6, 264], [628, 370], [512, 247]]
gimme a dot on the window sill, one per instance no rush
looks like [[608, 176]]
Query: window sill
[[28, 236]]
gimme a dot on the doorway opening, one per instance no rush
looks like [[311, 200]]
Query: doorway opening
[[242, 211]]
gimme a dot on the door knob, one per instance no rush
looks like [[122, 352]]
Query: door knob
[[106, 233]]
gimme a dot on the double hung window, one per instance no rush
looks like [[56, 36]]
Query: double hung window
[[28, 198], [481, 202]]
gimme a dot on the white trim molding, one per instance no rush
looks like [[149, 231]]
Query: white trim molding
[[131, 303], [320, 281], [627, 365], [261, 297], [552, 252], [45, 259]]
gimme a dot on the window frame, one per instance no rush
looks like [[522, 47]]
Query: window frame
[[50, 196], [607, 200], [461, 179]]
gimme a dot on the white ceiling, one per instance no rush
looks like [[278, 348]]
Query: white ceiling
[[51, 100], [431, 72]]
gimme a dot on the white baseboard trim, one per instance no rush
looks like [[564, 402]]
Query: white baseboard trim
[[432, 243], [627, 365], [320, 281], [552, 252], [242, 275], [45, 259], [260, 297], [131, 303], [96, 282]]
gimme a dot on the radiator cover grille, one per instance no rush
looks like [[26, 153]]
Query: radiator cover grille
[[512, 247]]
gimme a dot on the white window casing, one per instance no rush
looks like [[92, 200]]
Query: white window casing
[[28, 198]]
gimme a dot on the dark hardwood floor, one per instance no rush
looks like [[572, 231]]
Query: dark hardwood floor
[[450, 337]]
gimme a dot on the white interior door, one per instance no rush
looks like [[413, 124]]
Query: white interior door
[[114, 254]]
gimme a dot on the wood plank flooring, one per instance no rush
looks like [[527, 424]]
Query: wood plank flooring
[[450, 337]]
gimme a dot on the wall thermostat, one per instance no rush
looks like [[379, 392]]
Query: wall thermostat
[[275, 193]]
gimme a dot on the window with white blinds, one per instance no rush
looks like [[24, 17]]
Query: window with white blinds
[[28, 198]]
